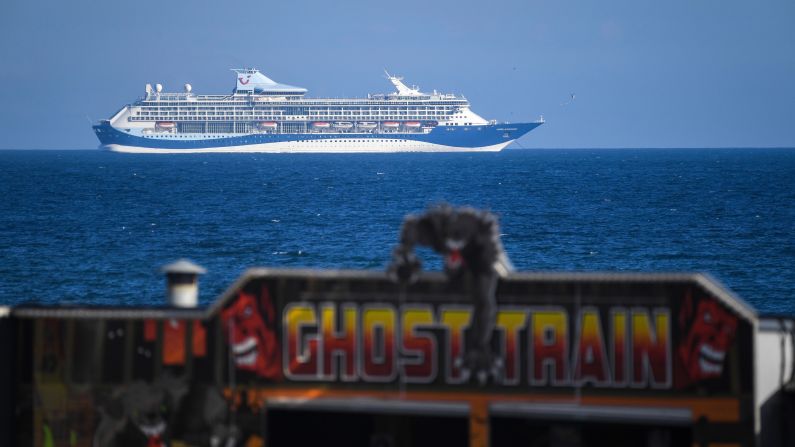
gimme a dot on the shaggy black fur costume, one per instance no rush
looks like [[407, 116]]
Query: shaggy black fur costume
[[469, 240]]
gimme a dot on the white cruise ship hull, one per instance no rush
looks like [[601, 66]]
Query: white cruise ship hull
[[262, 115]]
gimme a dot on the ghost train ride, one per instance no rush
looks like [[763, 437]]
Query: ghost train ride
[[588, 359]]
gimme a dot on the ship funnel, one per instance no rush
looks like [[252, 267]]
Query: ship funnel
[[251, 80], [182, 282]]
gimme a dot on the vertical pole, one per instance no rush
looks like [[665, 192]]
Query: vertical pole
[[231, 365], [218, 358], [129, 347], [479, 423], [189, 348], [99, 352], [69, 351], [158, 354], [9, 378], [38, 409], [263, 417]]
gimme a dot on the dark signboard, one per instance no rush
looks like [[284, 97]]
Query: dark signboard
[[553, 333]]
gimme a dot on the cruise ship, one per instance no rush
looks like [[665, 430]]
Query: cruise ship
[[261, 115]]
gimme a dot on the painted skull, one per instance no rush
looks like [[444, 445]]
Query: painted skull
[[252, 336], [709, 333]]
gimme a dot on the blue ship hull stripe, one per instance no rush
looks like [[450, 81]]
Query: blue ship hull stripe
[[465, 137]]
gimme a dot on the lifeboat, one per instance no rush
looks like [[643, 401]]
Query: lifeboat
[[391, 124], [321, 125], [367, 125], [343, 125], [412, 124], [166, 124], [269, 125]]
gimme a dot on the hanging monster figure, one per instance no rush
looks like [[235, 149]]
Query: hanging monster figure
[[469, 240]]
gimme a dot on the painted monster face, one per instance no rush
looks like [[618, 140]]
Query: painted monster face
[[709, 336], [251, 335]]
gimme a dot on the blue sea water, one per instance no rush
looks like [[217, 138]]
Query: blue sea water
[[93, 227]]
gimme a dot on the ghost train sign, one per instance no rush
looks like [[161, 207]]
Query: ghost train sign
[[620, 334], [539, 345]]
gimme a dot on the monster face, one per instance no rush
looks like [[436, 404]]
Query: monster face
[[251, 336], [453, 261], [146, 406], [708, 335]]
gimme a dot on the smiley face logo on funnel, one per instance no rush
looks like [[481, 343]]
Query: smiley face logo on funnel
[[249, 326], [244, 81], [708, 331]]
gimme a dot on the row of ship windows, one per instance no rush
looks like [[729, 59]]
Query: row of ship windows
[[301, 104], [204, 137], [300, 111], [355, 141], [311, 112], [255, 116], [380, 140], [227, 118], [266, 115]]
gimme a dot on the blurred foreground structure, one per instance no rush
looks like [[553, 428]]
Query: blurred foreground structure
[[322, 357]]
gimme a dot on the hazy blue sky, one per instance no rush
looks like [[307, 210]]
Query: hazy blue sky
[[673, 73]]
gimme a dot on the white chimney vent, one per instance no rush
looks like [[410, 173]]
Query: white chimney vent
[[182, 281]]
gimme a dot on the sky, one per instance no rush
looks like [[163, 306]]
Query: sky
[[674, 73]]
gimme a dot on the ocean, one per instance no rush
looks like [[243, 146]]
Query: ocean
[[92, 227]]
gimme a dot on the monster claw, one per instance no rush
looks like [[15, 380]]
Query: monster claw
[[404, 267]]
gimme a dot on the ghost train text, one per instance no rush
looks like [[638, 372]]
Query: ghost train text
[[616, 347]]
